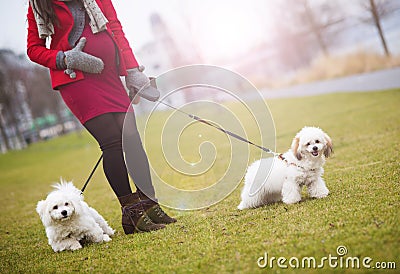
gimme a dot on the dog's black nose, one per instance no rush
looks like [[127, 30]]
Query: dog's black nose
[[64, 213], [315, 148]]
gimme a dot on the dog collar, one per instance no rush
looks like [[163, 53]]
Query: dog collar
[[280, 156]]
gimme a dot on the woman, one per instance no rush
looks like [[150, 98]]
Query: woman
[[87, 53]]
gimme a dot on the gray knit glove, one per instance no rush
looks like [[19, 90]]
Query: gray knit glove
[[138, 83], [77, 59]]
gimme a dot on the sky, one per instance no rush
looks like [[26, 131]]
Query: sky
[[223, 28], [133, 14], [196, 20]]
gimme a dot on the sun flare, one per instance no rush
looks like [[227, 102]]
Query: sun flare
[[230, 30]]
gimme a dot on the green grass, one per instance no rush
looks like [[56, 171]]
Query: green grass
[[361, 212]]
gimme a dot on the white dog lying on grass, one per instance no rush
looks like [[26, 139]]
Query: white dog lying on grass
[[281, 178], [69, 221]]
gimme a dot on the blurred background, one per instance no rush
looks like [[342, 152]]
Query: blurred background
[[274, 44]]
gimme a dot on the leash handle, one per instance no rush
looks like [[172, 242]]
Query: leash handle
[[91, 174]]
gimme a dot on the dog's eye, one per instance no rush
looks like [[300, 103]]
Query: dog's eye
[[66, 204], [55, 207], [308, 144], [317, 141]]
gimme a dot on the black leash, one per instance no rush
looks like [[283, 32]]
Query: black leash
[[219, 128], [91, 174], [201, 121]]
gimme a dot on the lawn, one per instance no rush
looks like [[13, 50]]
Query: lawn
[[361, 213]]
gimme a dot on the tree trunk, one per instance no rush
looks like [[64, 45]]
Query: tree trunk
[[377, 22], [19, 135], [3, 132], [317, 30]]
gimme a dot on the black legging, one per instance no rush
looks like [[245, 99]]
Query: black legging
[[107, 130]]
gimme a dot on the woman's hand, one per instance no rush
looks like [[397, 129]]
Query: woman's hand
[[77, 59], [138, 83]]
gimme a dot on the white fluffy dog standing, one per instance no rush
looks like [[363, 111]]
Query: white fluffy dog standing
[[69, 220], [281, 178]]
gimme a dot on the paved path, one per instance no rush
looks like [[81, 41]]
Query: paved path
[[379, 80]]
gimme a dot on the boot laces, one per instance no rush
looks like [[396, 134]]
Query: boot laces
[[146, 219], [137, 211], [131, 211], [160, 213]]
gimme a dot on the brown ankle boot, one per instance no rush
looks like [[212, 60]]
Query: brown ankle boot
[[134, 218], [155, 212]]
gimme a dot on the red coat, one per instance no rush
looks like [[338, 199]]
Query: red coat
[[38, 53]]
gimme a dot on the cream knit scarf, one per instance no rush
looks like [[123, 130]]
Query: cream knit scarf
[[97, 19]]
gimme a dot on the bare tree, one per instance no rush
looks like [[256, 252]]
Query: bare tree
[[41, 97], [3, 99], [316, 23], [293, 50], [9, 99], [377, 10], [25, 94]]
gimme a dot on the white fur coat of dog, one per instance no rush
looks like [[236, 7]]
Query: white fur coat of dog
[[281, 178], [68, 220]]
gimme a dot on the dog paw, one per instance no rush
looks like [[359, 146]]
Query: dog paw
[[109, 231], [75, 246], [106, 238], [290, 200], [241, 206], [321, 195]]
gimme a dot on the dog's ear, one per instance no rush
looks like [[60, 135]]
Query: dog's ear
[[295, 148], [76, 203], [41, 209], [329, 146]]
